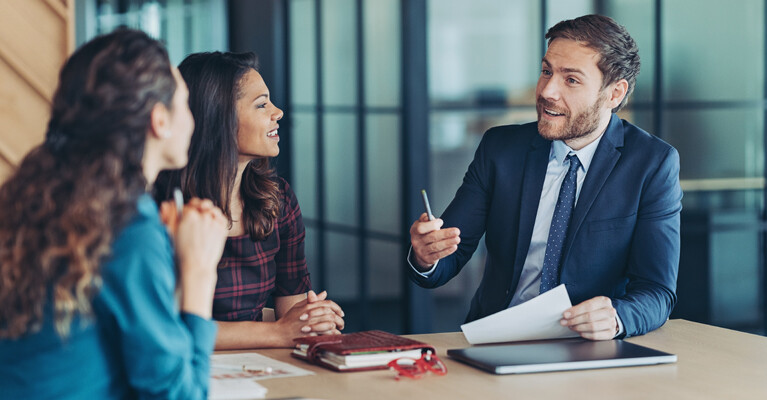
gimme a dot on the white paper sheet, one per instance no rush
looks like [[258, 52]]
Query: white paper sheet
[[535, 319], [234, 376], [235, 389]]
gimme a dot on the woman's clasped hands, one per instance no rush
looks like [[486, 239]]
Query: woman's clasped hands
[[313, 316]]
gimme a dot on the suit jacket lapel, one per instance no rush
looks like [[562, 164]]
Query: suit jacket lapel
[[605, 158], [532, 185]]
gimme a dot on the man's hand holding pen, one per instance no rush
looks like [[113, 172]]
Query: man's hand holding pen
[[430, 243]]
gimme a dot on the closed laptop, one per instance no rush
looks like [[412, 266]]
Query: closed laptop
[[560, 355]]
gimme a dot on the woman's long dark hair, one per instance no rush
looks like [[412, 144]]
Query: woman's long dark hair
[[214, 81], [60, 210]]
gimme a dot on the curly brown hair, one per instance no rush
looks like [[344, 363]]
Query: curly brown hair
[[60, 210], [215, 81]]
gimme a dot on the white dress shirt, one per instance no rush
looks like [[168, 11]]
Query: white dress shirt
[[530, 281]]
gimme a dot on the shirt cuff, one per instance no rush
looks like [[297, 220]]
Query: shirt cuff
[[203, 332], [410, 261], [621, 331]]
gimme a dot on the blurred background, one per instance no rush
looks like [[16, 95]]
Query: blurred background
[[385, 97]]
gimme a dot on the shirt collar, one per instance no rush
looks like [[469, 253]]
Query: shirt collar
[[146, 206], [560, 150]]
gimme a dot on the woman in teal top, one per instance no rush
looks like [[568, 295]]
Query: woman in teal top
[[87, 272]]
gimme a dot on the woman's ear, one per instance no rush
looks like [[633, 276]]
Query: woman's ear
[[159, 126]]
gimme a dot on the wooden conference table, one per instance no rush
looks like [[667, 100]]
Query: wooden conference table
[[714, 363]]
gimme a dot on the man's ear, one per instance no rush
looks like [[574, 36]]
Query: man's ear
[[617, 93], [159, 126]]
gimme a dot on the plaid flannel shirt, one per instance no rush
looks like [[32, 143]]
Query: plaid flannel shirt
[[249, 272]]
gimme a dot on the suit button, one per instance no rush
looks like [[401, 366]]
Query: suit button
[[507, 292]]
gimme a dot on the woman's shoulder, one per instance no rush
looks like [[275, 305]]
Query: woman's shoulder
[[141, 260], [145, 226], [288, 199], [143, 241], [283, 184]]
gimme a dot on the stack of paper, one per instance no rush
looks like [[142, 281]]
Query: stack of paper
[[535, 319]]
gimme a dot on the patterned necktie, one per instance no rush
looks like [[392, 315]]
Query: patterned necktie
[[558, 231]]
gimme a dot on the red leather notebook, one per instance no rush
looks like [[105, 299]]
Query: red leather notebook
[[359, 351]]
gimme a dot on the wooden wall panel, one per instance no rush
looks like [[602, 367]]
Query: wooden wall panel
[[36, 36]]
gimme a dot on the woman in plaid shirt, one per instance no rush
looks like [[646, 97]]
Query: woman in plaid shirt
[[234, 137]]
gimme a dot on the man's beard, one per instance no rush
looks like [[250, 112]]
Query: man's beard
[[575, 127]]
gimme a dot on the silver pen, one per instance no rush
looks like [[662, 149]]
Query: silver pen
[[178, 197], [426, 204]]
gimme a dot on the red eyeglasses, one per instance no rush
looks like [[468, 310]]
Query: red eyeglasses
[[415, 369]]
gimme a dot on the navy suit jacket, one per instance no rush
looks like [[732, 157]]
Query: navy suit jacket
[[623, 239]]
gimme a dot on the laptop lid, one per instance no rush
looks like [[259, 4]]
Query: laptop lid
[[560, 355]]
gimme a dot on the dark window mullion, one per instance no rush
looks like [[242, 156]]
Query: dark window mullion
[[544, 17], [321, 236], [763, 247], [658, 66], [418, 304], [361, 170]]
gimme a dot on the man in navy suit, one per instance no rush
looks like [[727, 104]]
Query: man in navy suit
[[581, 198]]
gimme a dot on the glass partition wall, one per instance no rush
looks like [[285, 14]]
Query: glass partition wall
[[385, 97], [185, 26], [345, 104], [701, 88]]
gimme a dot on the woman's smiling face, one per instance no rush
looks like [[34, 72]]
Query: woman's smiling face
[[257, 118]]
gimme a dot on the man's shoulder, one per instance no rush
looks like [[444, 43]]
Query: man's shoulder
[[511, 135], [514, 130], [638, 139]]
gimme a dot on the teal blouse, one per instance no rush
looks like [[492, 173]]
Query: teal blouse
[[42, 365], [139, 346]]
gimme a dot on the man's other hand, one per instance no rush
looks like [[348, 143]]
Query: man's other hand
[[594, 319]]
